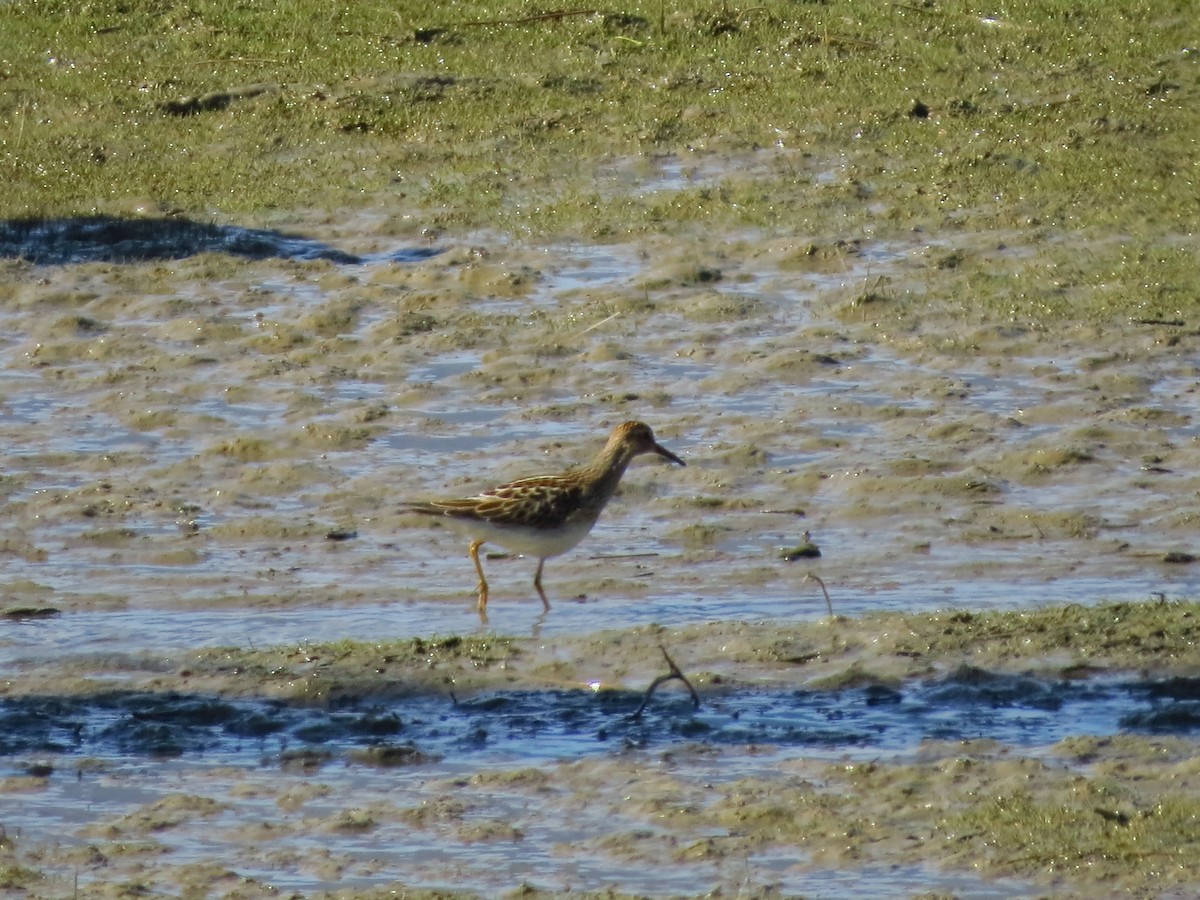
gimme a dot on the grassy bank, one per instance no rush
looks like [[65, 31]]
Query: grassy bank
[[889, 116]]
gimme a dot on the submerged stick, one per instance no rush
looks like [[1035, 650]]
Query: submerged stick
[[817, 579], [675, 673]]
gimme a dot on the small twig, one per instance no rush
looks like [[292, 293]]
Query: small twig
[[215, 100], [675, 673], [540, 17], [603, 321], [817, 579], [1174, 323]]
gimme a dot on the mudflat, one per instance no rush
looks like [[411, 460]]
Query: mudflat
[[912, 290]]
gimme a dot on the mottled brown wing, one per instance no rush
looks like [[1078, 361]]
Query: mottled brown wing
[[545, 501], [542, 502]]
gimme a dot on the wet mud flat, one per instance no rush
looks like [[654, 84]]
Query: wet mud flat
[[230, 666], [195, 435], [908, 284], [894, 755]]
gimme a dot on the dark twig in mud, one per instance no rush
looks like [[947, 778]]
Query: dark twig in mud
[[811, 577], [215, 100], [523, 20], [603, 321], [675, 673]]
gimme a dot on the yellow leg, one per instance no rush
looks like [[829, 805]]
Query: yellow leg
[[483, 588], [537, 583]]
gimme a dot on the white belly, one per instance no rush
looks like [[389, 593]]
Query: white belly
[[537, 542]]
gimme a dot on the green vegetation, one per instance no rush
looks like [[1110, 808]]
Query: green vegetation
[[14, 877], [1014, 116], [353, 668], [1090, 825], [1122, 636], [1049, 150], [1157, 638], [1122, 823], [1071, 641]]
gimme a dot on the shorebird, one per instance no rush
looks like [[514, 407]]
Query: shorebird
[[546, 515]]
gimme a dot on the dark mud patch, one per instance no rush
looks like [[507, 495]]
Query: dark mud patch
[[119, 240], [969, 704]]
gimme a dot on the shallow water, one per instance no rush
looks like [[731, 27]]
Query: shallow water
[[534, 727], [557, 850], [182, 442], [150, 630], [254, 756]]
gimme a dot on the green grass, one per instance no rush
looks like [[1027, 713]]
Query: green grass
[[1093, 828], [1031, 123], [1040, 115]]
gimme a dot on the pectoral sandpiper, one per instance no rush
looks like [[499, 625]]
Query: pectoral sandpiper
[[546, 515]]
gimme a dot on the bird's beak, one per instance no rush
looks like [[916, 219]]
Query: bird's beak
[[667, 454]]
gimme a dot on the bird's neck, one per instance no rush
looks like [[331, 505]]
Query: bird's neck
[[605, 471]]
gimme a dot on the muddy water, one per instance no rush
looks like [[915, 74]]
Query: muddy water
[[209, 451]]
